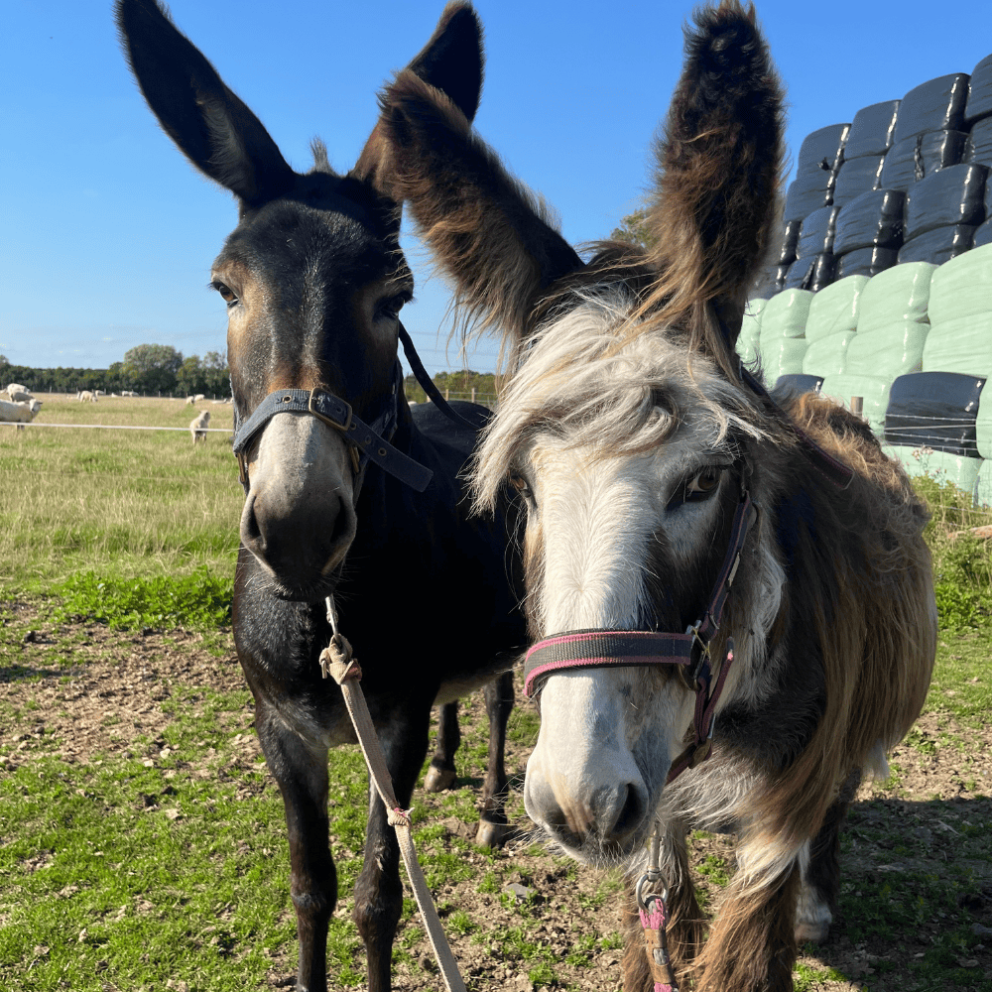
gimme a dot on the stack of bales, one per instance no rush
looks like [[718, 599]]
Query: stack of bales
[[782, 337]]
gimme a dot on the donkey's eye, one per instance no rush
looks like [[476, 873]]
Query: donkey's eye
[[520, 484], [699, 487], [389, 308], [226, 293]]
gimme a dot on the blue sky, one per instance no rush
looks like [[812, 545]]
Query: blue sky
[[108, 235]]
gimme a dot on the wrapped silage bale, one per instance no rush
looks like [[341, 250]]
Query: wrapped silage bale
[[808, 193], [935, 410], [872, 130], [866, 262], [983, 234], [782, 356], [936, 105], [785, 315], [787, 239], [955, 195], [899, 293], [816, 234], [982, 493], [835, 308], [961, 288], [939, 245], [749, 338], [857, 176], [983, 426], [871, 220], [821, 149], [795, 385], [813, 273], [962, 345], [873, 390], [827, 355], [978, 148], [920, 156], [979, 91], [888, 351], [939, 465]]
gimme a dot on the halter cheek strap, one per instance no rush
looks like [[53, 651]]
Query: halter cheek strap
[[577, 649]]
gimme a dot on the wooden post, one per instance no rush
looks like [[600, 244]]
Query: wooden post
[[473, 394], [858, 405], [446, 395]]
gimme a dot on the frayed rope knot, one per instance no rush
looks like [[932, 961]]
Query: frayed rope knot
[[336, 661], [398, 817]]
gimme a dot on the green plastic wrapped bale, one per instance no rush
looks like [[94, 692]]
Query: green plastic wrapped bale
[[749, 338], [782, 356], [983, 486], [983, 426], [785, 315], [827, 356], [899, 293], [961, 287], [835, 308], [888, 351], [874, 391], [939, 465], [962, 345]]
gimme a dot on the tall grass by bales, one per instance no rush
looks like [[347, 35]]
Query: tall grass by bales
[[118, 503]]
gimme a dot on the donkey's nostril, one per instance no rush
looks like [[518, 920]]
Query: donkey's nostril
[[631, 813]]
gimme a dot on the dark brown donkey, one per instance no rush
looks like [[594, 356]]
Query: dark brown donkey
[[691, 550], [348, 493]]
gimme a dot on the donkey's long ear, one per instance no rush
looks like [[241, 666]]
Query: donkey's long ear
[[718, 174], [211, 126], [493, 237], [453, 62]]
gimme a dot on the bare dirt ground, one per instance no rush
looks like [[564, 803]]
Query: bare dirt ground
[[915, 824]]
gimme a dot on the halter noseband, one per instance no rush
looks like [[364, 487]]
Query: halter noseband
[[366, 440], [606, 648]]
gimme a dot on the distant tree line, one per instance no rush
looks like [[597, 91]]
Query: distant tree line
[[458, 385], [147, 369]]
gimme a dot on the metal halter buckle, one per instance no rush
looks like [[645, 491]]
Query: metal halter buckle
[[315, 394]]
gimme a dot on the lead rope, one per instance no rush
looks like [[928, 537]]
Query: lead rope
[[337, 662], [654, 918]]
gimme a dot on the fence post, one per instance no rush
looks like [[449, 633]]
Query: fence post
[[473, 394], [446, 395], [858, 405]]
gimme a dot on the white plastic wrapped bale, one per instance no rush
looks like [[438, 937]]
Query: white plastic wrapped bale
[[939, 465], [961, 287], [785, 315], [782, 356], [962, 345], [835, 308], [899, 293], [827, 356], [749, 338], [887, 351], [873, 390]]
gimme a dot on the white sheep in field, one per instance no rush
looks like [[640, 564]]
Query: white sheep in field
[[190, 400], [198, 426], [16, 388], [199, 398], [19, 413], [18, 394], [86, 397]]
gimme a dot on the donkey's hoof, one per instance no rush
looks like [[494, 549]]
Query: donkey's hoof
[[493, 835], [439, 779]]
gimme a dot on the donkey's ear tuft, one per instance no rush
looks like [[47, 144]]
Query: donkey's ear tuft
[[211, 126], [452, 63], [453, 60]]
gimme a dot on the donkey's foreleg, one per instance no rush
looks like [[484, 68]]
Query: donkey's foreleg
[[441, 774], [300, 769], [751, 946], [820, 890], [685, 923], [379, 892], [493, 824]]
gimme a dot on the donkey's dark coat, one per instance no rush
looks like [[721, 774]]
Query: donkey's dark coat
[[314, 280]]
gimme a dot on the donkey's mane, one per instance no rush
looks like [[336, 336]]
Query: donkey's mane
[[585, 378]]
